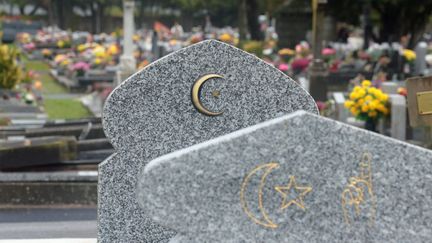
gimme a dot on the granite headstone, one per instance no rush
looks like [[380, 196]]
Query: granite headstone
[[296, 178], [192, 95]]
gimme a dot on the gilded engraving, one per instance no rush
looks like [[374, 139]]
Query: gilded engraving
[[285, 191], [196, 90], [267, 222], [359, 193]]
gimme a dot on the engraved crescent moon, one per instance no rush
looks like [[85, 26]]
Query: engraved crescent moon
[[196, 89], [267, 222]]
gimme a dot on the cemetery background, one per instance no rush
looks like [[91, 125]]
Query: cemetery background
[[60, 73]]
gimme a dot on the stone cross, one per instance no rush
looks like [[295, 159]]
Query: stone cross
[[197, 93], [127, 63], [296, 178]]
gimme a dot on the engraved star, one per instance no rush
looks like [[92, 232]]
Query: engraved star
[[286, 190], [216, 93]]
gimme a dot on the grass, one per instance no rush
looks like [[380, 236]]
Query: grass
[[36, 65], [56, 108], [50, 86], [65, 109]]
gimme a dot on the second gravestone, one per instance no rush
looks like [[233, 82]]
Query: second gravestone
[[296, 178], [195, 94]]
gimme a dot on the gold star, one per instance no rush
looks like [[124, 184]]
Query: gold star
[[286, 190], [216, 93]]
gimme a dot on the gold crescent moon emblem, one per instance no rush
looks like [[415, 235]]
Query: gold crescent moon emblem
[[267, 222], [196, 90]]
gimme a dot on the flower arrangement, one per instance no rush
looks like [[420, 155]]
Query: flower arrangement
[[326, 108], [409, 55], [227, 38], [113, 49], [29, 47], [66, 62], [46, 53], [286, 54], [80, 68], [99, 51], [367, 103], [64, 43], [283, 67], [302, 49], [195, 38], [300, 64], [24, 38], [328, 54], [82, 47], [97, 61], [59, 58]]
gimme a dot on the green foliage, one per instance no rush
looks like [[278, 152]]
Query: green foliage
[[10, 71]]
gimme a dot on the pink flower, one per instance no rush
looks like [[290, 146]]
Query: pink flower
[[321, 105], [30, 46], [81, 66], [303, 46], [283, 67], [328, 51], [300, 64]]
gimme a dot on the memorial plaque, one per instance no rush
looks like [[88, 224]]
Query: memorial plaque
[[424, 102], [297, 178], [419, 101]]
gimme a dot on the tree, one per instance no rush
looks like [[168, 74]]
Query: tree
[[253, 10], [97, 11], [402, 17], [23, 4], [394, 18]]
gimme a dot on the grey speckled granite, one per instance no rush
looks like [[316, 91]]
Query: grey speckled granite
[[152, 114], [207, 191]]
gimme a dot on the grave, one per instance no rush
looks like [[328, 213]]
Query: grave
[[296, 178], [197, 93]]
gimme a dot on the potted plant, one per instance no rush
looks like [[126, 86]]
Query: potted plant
[[10, 71]]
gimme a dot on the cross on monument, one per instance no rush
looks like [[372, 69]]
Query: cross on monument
[[127, 65]]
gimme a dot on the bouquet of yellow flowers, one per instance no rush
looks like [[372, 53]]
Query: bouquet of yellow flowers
[[409, 55], [367, 103]]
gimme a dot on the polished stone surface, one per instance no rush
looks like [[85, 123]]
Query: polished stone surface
[[151, 114], [297, 178]]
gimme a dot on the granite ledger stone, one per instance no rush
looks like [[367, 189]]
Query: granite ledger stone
[[296, 178], [174, 103]]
